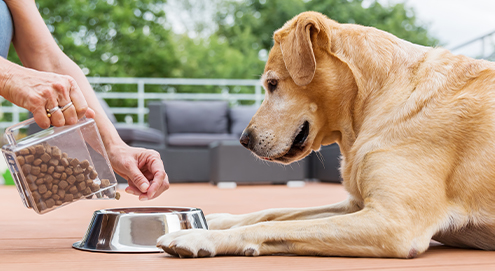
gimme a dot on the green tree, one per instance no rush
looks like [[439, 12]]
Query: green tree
[[263, 17], [112, 37], [247, 27]]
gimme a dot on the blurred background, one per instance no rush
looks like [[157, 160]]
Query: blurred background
[[230, 39]]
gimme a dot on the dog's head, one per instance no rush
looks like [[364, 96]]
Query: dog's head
[[304, 86]]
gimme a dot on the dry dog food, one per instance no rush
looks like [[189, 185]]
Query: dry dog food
[[54, 178]]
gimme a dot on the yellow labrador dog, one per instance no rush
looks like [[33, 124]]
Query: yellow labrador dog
[[416, 128]]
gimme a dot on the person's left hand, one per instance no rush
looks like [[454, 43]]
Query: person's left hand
[[142, 168]]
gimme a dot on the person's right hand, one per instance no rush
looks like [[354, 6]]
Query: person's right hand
[[41, 91]]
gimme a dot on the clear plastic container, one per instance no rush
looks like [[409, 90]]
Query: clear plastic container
[[59, 165]]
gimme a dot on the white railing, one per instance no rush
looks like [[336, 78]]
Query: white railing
[[482, 47], [141, 95]]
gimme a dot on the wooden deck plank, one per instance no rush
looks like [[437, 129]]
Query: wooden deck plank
[[43, 242]]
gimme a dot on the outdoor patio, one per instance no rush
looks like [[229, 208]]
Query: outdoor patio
[[29, 241]]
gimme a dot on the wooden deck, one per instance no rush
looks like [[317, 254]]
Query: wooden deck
[[29, 241]]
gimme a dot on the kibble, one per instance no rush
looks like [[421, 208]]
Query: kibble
[[50, 203], [63, 184], [74, 162], [68, 197], [73, 190], [71, 179], [68, 171], [39, 149], [33, 187], [45, 157], [42, 189], [80, 177], [85, 164], [35, 170], [105, 183], [26, 169], [93, 174], [64, 162], [53, 162], [29, 159], [54, 178], [56, 153], [20, 160], [47, 194]]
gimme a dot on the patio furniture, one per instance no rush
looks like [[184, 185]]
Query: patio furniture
[[231, 162], [325, 165], [189, 128]]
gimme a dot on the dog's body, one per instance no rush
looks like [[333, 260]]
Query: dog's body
[[416, 128]]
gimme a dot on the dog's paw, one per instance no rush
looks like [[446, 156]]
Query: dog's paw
[[188, 243], [223, 221]]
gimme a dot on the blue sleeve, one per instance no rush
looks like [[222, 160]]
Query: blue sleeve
[[6, 29]]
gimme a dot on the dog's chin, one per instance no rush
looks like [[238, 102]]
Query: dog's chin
[[299, 148]]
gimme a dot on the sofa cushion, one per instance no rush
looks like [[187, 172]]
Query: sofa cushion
[[197, 139], [132, 134], [240, 117], [196, 117]]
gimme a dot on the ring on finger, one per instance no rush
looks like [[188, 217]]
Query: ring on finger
[[65, 107], [49, 112]]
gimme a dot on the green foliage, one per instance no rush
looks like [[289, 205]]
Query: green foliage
[[127, 38], [262, 17], [114, 37]]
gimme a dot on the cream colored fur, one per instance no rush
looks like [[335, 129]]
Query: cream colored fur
[[416, 128]]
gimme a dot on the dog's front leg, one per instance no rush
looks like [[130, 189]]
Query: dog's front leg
[[227, 221], [366, 233]]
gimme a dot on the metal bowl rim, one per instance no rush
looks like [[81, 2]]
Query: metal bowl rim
[[148, 210]]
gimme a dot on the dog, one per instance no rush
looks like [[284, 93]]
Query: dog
[[416, 129]]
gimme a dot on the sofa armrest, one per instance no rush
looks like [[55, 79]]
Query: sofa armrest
[[157, 118]]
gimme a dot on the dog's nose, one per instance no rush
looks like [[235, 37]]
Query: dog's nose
[[245, 139]]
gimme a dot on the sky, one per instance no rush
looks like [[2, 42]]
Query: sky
[[454, 22]]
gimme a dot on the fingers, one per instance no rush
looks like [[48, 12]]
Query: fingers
[[77, 98], [151, 180], [65, 94], [41, 118]]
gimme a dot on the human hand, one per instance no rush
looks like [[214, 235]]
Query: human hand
[[41, 91], [142, 168]]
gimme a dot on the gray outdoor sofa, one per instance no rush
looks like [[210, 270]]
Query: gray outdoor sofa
[[202, 144]]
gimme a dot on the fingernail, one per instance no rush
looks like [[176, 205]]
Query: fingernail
[[151, 194], [143, 198], [144, 187]]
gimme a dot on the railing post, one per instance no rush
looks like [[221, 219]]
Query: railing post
[[15, 114], [141, 103]]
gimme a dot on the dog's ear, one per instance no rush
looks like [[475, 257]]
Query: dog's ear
[[297, 50]]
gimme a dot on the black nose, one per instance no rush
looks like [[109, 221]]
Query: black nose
[[245, 139]]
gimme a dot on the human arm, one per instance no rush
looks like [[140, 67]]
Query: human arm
[[38, 50]]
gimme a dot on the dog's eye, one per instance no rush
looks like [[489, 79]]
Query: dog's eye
[[271, 84]]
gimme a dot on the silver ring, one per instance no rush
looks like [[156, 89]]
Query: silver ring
[[65, 107]]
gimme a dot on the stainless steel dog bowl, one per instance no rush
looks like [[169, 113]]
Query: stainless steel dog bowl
[[137, 229]]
